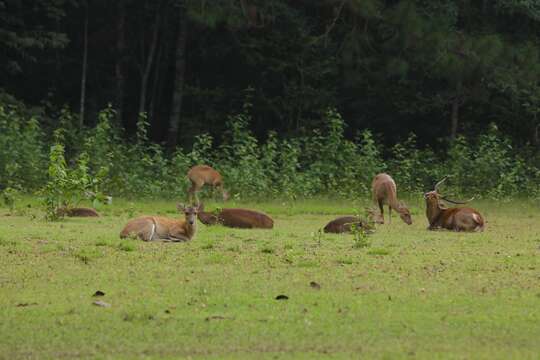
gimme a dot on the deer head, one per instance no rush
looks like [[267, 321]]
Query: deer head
[[404, 213], [434, 197], [190, 212]]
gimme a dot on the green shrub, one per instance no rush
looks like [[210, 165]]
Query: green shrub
[[321, 163]]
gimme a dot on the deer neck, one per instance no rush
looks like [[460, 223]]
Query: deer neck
[[392, 199], [433, 211], [191, 229]]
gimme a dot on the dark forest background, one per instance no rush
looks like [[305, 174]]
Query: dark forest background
[[426, 75], [432, 67]]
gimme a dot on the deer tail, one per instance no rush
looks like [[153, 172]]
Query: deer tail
[[479, 222]]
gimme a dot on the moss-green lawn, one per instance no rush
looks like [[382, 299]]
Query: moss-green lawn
[[412, 293]]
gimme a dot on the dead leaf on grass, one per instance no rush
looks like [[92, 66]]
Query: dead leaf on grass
[[101, 303], [25, 304], [216, 317], [282, 297], [315, 285], [99, 293]]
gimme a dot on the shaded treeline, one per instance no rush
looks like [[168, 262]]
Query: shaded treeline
[[436, 68]]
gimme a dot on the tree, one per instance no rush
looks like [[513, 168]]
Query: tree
[[179, 79], [120, 57], [146, 64], [26, 31]]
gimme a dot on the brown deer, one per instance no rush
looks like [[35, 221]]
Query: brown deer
[[199, 175], [456, 219], [150, 228], [237, 218], [344, 224], [77, 212], [383, 188]]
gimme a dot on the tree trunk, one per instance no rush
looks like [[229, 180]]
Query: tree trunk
[[119, 67], [455, 119], [149, 61], [155, 93], [84, 69], [180, 66], [536, 136], [456, 102]]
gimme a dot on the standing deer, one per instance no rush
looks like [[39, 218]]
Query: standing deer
[[236, 218], [204, 174], [456, 219], [150, 228], [383, 188]]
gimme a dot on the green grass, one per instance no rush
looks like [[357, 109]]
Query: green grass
[[410, 293]]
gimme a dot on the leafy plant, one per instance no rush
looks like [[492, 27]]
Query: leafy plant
[[10, 197], [67, 187], [361, 230]]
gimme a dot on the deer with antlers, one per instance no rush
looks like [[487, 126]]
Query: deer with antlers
[[383, 189], [199, 175], [456, 219], [150, 228]]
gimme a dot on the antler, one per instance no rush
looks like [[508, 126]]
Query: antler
[[440, 182], [457, 202]]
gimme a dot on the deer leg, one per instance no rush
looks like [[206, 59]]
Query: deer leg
[[389, 214], [147, 232], [191, 191], [221, 190], [382, 211], [176, 238]]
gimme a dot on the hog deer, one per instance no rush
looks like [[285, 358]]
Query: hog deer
[[383, 188], [150, 228], [344, 224], [199, 175], [237, 218], [456, 219], [77, 212]]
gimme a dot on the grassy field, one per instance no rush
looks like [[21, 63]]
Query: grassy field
[[412, 293]]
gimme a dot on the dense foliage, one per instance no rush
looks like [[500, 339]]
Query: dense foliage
[[436, 68], [296, 167], [286, 98]]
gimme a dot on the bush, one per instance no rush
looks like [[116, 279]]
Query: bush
[[323, 162], [67, 187], [22, 144]]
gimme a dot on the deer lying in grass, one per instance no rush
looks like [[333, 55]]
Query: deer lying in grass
[[199, 175], [344, 224], [237, 218], [150, 228], [456, 219], [383, 189], [77, 212]]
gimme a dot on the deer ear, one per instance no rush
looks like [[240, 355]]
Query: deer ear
[[181, 207]]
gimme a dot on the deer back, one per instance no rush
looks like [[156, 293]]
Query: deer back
[[342, 224], [205, 174], [245, 218], [461, 219], [237, 218], [383, 188], [78, 212]]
